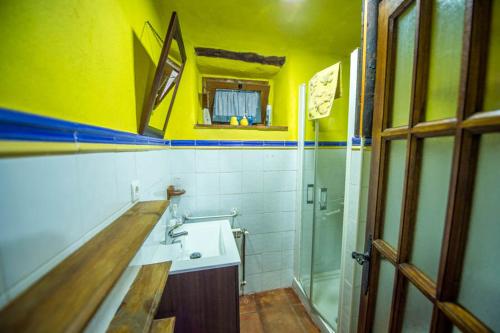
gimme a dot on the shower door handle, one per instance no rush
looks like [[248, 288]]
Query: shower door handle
[[323, 198], [310, 194]]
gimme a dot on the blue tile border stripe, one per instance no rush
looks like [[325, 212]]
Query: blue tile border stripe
[[21, 126], [356, 141]]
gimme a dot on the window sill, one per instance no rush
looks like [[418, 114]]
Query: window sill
[[252, 127]]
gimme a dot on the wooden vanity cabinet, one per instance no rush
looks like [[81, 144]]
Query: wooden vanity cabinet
[[205, 301]]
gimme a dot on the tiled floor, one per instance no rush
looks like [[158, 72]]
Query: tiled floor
[[274, 311]]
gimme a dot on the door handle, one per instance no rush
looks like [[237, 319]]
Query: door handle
[[323, 198], [310, 194], [362, 259]]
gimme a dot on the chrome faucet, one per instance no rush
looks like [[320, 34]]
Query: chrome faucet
[[171, 235]]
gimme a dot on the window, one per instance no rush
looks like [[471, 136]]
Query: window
[[225, 98]]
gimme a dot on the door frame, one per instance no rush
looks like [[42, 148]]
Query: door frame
[[466, 127]]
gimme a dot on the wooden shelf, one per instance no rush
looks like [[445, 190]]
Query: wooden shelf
[[67, 297], [166, 325], [137, 311], [253, 127]]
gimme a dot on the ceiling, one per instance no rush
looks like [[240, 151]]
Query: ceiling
[[270, 27]]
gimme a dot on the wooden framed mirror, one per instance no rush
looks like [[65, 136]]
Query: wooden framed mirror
[[158, 106]]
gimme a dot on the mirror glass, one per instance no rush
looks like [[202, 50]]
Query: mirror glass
[[168, 74]]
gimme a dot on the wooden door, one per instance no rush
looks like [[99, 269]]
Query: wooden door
[[434, 203]]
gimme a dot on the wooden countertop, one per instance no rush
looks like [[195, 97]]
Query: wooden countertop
[[67, 297]]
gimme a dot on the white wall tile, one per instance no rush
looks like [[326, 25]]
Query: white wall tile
[[151, 166], [207, 205], [253, 160], [252, 203], [126, 172], [254, 223], [254, 283], [271, 261], [287, 259], [271, 280], [39, 211], [207, 161], [355, 167], [286, 278], [275, 181], [253, 264], [230, 183], [182, 161], [275, 160], [230, 201], [288, 238], [207, 183], [259, 243], [97, 187], [279, 201], [252, 182], [230, 160]]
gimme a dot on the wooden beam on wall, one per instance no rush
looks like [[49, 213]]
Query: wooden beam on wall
[[241, 56]]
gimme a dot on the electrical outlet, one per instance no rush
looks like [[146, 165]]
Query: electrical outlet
[[135, 190]]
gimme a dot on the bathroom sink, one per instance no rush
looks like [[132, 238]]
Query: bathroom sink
[[207, 245]]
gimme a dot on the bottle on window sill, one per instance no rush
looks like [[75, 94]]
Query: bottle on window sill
[[269, 115], [233, 121], [244, 121]]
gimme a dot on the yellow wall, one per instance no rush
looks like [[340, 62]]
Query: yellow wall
[[91, 61], [72, 59], [300, 66]]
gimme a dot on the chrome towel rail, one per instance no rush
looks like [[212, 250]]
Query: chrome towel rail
[[233, 214]]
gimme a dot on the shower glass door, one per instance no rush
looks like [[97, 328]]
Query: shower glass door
[[321, 211], [327, 227]]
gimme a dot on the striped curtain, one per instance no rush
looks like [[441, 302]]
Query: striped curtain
[[228, 103]]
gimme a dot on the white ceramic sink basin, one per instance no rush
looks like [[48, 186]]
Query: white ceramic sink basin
[[213, 240]]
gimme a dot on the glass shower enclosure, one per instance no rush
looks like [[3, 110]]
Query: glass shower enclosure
[[322, 205]]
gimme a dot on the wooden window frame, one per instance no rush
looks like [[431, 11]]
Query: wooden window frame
[[211, 84], [466, 127]]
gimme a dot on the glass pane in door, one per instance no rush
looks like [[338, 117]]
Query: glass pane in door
[[445, 58], [418, 311], [479, 290], [394, 191], [327, 240], [432, 202], [384, 297], [403, 66]]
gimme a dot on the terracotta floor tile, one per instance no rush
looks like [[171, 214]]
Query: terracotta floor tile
[[274, 311], [292, 296], [247, 304], [304, 318], [250, 323], [271, 298], [280, 320]]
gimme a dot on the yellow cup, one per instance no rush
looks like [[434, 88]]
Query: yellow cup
[[233, 121]]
